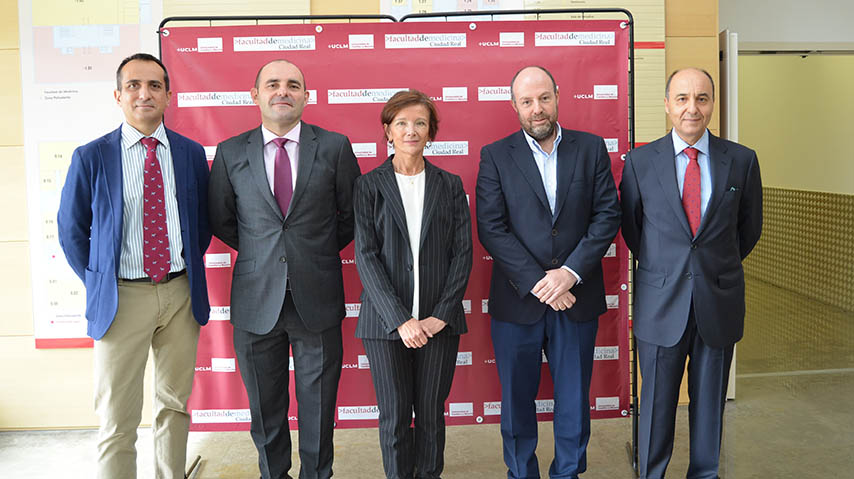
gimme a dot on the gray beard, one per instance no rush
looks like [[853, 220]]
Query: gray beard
[[541, 133]]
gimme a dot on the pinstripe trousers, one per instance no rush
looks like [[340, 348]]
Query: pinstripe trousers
[[408, 380]]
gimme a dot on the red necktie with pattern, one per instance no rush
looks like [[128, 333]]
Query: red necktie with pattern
[[155, 235], [283, 187], [691, 190]]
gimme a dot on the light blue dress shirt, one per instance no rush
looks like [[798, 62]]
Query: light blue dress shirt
[[131, 257], [547, 164], [703, 159]]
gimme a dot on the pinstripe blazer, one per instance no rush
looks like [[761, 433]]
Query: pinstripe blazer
[[384, 258]]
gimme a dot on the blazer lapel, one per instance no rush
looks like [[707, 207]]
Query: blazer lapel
[[665, 165], [387, 185], [719, 164], [180, 163], [566, 153], [521, 154], [307, 153], [255, 157], [111, 161], [431, 197]]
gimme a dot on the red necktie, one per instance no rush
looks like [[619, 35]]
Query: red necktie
[[155, 235], [691, 190], [283, 187]]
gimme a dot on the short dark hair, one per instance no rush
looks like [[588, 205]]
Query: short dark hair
[[258, 75], [667, 85], [554, 84], [143, 57], [405, 98]]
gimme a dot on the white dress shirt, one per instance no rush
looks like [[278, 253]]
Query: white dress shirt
[[412, 194]]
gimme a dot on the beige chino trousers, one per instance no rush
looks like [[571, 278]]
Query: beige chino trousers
[[156, 317]]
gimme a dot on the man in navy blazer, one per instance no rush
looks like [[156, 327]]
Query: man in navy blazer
[[547, 212], [692, 211], [133, 225]]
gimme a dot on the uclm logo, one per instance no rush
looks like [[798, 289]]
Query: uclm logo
[[186, 50], [339, 46]]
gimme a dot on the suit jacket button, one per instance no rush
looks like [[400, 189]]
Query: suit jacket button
[[554, 260], [693, 246], [554, 232], [409, 267], [283, 259], [286, 227], [689, 275]]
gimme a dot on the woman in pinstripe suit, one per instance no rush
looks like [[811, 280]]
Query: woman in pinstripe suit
[[414, 256]]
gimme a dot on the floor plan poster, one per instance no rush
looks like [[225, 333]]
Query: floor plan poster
[[69, 53]]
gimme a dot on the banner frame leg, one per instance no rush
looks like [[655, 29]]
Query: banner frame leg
[[193, 467]]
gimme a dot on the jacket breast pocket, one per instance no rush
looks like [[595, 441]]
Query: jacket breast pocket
[[733, 193]]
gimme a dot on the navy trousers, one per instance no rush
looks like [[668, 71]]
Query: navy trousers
[[568, 346], [708, 375]]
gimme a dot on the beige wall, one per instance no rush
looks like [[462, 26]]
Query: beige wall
[[796, 113], [52, 388], [32, 382], [691, 40]]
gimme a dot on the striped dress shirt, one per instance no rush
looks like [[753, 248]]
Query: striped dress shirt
[[133, 163]]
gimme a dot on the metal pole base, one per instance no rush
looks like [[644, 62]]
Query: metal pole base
[[192, 467]]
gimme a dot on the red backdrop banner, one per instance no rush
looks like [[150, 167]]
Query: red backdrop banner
[[351, 70]]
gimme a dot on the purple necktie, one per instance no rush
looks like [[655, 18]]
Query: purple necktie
[[155, 235], [283, 187], [691, 190]]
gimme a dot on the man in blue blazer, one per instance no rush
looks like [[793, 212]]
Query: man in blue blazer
[[692, 211], [547, 211], [133, 223]]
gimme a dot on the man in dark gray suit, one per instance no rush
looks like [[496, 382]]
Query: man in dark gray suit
[[281, 195], [692, 211]]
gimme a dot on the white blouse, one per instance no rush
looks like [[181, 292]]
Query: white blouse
[[412, 193]]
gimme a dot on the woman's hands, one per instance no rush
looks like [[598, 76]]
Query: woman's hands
[[432, 325], [412, 333], [415, 333]]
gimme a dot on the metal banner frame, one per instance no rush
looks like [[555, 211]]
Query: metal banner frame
[[631, 447]]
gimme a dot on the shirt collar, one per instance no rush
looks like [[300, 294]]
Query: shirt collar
[[131, 136], [702, 144], [292, 135], [535, 147]]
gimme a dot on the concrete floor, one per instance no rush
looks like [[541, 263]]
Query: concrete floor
[[792, 418]]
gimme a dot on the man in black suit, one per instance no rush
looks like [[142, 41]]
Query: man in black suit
[[281, 195], [692, 211], [547, 211]]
